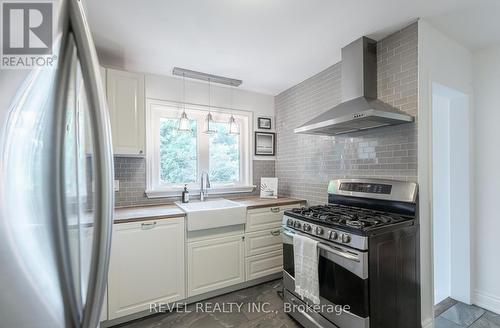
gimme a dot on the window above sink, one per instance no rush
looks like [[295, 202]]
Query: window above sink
[[177, 158]]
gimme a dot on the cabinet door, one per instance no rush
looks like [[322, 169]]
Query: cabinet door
[[264, 264], [215, 264], [125, 93], [146, 266], [266, 218], [262, 242]]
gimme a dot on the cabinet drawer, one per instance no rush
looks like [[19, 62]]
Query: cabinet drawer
[[263, 241], [266, 218], [263, 265]]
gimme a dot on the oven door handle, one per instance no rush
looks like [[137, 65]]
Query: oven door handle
[[345, 255]]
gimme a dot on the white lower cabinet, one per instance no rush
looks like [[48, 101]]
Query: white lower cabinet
[[262, 265], [215, 263], [147, 265], [263, 246]]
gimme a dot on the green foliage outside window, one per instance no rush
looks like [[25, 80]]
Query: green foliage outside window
[[178, 158], [224, 155], [178, 154]]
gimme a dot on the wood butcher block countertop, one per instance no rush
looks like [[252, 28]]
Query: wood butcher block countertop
[[156, 212], [143, 213], [257, 202]]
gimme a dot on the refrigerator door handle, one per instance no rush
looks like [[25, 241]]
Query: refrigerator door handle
[[60, 223], [104, 175]]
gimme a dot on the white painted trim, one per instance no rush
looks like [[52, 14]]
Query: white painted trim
[[486, 300], [429, 323], [211, 191]]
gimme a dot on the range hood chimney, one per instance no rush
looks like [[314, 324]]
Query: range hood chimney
[[360, 109]]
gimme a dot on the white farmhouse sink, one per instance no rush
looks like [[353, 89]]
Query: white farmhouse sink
[[213, 213]]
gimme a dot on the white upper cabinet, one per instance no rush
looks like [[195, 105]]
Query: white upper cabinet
[[125, 92]]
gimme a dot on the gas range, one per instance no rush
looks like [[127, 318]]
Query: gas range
[[367, 239], [343, 224]]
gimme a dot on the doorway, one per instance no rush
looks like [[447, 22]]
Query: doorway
[[451, 195]]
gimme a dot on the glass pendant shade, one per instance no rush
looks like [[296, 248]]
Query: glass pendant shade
[[233, 126], [184, 123], [210, 125]]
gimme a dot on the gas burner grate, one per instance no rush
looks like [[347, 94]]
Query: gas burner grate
[[354, 217]]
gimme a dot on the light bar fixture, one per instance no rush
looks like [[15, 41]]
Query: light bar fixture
[[206, 77]]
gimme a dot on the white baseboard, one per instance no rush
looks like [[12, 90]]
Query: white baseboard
[[486, 300], [428, 323]]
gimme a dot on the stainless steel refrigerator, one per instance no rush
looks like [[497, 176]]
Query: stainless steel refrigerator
[[56, 182]]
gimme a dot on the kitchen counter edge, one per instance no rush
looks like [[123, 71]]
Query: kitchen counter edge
[[160, 212]]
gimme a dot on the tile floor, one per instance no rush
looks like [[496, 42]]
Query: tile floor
[[463, 315], [246, 317], [458, 316]]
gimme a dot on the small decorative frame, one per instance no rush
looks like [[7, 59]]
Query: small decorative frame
[[265, 143], [264, 123], [268, 187]]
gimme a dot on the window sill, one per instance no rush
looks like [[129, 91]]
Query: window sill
[[211, 191]]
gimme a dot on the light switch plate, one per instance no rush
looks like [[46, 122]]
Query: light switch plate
[[117, 185]]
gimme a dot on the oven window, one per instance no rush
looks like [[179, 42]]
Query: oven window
[[342, 287], [288, 262]]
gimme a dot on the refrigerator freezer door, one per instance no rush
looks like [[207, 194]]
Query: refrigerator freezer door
[[56, 178], [30, 291]]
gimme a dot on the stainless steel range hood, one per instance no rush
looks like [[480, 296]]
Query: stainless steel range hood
[[360, 109]]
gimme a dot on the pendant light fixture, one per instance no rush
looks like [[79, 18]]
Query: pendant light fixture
[[184, 120], [209, 121], [233, 125]]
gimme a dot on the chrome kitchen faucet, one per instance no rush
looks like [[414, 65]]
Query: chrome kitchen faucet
[[204, 184]]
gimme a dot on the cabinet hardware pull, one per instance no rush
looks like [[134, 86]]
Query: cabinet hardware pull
[[275, 209], [242, 238], [140, 151], [147, 226], [276, 232]]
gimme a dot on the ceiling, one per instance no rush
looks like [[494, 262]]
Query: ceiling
[[270, 44]]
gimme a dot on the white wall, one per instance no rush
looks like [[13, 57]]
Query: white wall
[[486, 68], [446, 62], [441, 199], [460, 199], [451, 195]]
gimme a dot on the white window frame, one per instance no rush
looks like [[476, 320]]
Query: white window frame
[[155, 109]]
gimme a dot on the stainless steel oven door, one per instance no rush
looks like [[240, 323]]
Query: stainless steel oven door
[[343, 280]]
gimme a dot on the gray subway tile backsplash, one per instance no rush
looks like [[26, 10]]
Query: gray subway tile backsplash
[[132, 175], [305, 163]]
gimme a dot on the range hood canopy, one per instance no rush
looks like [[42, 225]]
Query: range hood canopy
[[360, 109]]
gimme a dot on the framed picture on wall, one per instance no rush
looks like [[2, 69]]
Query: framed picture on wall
[[265, 143], [264, 123]]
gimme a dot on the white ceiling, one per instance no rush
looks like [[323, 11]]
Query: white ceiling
[[270, 44]]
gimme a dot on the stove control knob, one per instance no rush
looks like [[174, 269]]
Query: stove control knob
[[346, 238], [289, 222], [333, 235], [297, 225], [307, 227], [319, 231]]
